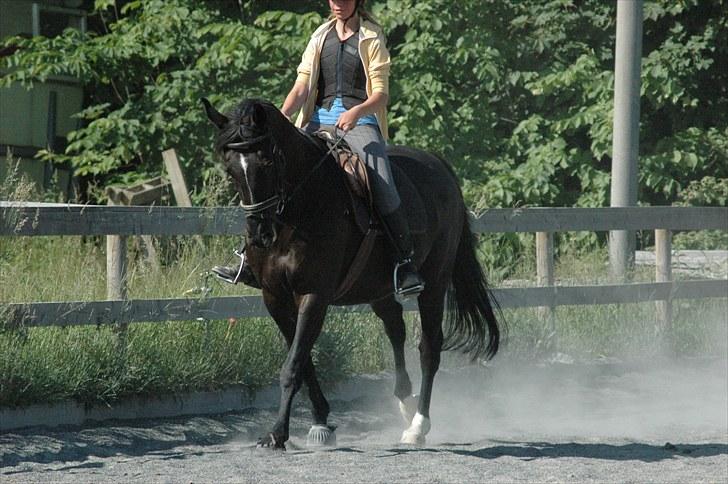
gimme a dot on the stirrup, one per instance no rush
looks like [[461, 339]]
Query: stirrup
[[240, 253], [402, 293]]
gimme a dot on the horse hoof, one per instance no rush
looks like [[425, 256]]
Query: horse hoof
[[415, 434], [271, 442], [412, 438], [321, 436], [408, 408]]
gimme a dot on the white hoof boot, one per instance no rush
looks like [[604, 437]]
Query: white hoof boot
[[408, 408], [321, 436], [415, 434]]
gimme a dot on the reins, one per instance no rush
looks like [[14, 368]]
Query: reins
[[303, 182]]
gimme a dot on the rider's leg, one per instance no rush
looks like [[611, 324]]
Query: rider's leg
[[368, 143]]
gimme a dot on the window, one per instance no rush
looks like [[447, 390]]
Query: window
[[51, 21]]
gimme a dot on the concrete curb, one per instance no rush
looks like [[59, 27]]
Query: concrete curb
[[196, 403]]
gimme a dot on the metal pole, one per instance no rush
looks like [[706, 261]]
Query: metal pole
[[625, 145]]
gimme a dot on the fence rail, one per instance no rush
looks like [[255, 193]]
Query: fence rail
[[58, 219], [186, 309], [34, 219]]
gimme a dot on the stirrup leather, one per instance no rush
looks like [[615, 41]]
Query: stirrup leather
[[404, 292]]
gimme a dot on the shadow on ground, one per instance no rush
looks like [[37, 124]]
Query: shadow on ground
[[545, 450], [165, 438]]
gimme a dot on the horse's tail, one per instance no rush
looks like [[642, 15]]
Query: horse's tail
[[471, 308]]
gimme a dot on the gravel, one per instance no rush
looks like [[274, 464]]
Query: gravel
[[556, 422]]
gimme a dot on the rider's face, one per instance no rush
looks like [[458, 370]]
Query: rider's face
[[342, 9]]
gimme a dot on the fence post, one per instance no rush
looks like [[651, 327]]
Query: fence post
[[116, 264], [663, 273], [179, 186], [116, 278], [545, 277]]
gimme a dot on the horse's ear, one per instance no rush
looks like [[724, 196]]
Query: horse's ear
[[259, 115], [217, 118]]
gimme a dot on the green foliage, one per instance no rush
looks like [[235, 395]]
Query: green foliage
[[704, 192], [146, 73], [516, 93]]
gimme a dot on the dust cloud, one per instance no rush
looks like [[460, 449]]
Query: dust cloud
[[651, 398]]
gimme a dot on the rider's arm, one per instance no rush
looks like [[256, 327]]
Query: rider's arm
[[295, 99]]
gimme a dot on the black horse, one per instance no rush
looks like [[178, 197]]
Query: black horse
[[303, 240]]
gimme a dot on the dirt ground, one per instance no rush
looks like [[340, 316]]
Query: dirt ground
[[599, 422]]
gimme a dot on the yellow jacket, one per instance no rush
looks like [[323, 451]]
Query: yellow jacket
[[374, 57]]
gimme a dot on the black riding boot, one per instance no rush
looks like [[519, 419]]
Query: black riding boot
[[240, 273], [407, 280]]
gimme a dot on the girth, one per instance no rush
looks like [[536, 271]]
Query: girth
[[357, 178]]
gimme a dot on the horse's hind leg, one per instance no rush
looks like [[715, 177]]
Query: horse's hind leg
[[431, 305], [390, 312]]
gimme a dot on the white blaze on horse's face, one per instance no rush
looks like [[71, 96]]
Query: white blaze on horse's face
[[245, 160]]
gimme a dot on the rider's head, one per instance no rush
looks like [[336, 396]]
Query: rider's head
[[346, 9], [343, 9]]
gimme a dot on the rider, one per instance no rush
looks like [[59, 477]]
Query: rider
[[343, 82]]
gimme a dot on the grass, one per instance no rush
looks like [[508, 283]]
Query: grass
[[99, 364], [102, 364]]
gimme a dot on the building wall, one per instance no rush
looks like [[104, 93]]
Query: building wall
[[24, 114]]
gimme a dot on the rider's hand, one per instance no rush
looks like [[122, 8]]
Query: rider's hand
[[348, 119]]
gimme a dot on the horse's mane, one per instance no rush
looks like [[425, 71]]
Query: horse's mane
[[278, 126]]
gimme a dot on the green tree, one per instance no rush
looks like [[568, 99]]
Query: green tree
[[516, 93], [145, 73]]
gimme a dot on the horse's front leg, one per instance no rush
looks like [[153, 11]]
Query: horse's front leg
[[284, 311], [311, 313]]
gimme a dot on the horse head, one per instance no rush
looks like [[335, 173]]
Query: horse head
[[251, 157]]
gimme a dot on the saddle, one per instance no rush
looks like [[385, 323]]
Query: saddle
[[356, 173]]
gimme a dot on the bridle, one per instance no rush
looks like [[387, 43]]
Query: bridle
[[280, 199], [261, 207]]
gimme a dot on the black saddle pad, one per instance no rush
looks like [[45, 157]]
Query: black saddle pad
[[411, 202], [413, 205]]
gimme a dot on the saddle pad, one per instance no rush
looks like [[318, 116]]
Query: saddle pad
[[411, 200], [412, 203]]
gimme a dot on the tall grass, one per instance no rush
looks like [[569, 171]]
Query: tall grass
[[95, 364], [101, 364]]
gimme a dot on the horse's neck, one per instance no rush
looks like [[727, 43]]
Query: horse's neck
[[314, 185], [302, 155]]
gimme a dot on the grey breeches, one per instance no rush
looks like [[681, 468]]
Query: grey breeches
[[367, 142]]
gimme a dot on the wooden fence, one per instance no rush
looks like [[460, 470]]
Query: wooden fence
[[117, 222]]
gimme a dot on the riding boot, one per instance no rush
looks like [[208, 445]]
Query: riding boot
[[407, 280], [234, 274]]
